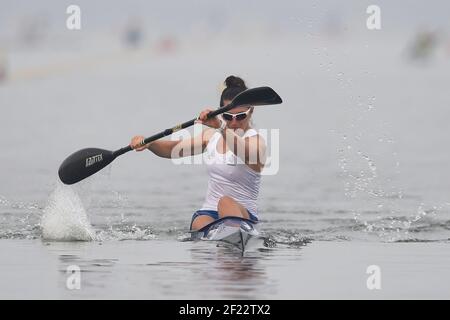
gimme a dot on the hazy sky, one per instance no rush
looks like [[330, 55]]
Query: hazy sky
[[179, 16]]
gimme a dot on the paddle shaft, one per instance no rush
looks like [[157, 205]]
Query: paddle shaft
[[168, 132], [86, 162]]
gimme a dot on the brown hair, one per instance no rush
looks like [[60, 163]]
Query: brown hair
[[234, 86]]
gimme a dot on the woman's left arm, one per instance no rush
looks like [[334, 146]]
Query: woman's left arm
[[251, 150]]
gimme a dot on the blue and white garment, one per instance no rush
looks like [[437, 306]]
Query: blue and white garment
[[230, 176]]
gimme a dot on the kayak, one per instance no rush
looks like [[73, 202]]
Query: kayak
[[234, 231]]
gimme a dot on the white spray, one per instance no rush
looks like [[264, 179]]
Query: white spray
[[65, 218]]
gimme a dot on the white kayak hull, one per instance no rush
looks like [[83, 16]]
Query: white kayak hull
[[233, 231]]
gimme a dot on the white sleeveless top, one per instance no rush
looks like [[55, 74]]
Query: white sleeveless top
[[230, 176]]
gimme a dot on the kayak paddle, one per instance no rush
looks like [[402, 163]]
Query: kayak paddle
[[86, 162]]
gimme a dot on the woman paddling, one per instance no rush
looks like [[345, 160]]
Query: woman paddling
[[235, 154]]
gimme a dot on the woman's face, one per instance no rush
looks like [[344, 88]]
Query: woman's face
[[235, 123]]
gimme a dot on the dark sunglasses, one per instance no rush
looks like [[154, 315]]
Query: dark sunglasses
[[238, 116]]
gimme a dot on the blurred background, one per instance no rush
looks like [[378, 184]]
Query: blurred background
[[364, 134]]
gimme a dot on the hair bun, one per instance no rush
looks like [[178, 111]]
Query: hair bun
[[236, 82]]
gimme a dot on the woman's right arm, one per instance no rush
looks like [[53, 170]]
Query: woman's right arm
[[175, 149], [162, 148]]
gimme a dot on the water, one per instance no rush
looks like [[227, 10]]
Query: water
[[363, 178]]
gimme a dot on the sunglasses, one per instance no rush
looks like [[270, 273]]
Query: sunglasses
[[238, 116]]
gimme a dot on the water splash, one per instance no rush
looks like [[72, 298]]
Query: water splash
[[290, 238], [406, 228], [361, 168], [3, 201], [65, 218], [19, 219], [126, 232]]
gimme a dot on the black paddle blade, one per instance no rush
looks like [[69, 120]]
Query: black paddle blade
[[257, 97], [83, 164]]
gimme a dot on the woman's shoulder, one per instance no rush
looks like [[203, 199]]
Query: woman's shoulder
[[253, 135], [250, 132]]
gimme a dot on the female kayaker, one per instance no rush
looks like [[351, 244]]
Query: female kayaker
[[234, 155]]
